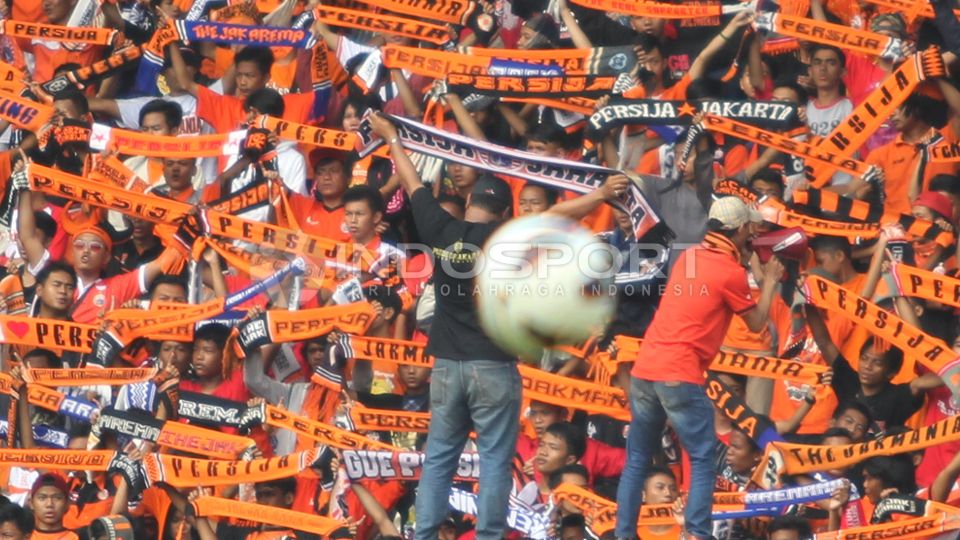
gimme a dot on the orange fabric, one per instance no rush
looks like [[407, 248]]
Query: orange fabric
[[694, 314], [318, 220], [899, 160], [59, 535], [741, 339]]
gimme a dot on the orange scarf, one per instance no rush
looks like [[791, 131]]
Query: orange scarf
[[207, 506], [23, 113]]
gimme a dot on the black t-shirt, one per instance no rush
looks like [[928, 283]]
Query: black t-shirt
[[892, 406], [455, 333]]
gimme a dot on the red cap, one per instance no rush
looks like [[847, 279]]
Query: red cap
[[49, 479], [937, 202], [785, 243]]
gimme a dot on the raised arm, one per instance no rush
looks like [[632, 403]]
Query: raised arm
[[580, 39], [820, 333], [27, 229], [577, 208], [180, 69], [409, 177], [699, 66], [758, 317]]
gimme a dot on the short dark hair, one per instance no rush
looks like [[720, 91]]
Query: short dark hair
[[791, 523], [386, 296], [928, 110], [894, 471], [858, 406], [547, 132], [51, 357], [364, 192], [266, 101], [573, 520], [556, 477], [215, 332], [21, 518], [56, 266], [801, 92], [770, 176], [572, 436], [171, 111], [945, 182], [549, 193], [74, 96], [285, 485], [816, 47], [260, 56], [452, 198], [45, 224], [832, 243], [657, 470], [892, 357], [166, 279]]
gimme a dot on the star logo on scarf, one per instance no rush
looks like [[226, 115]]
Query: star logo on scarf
[[686, 110]]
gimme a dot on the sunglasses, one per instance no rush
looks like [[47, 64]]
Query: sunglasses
[[95, 247]]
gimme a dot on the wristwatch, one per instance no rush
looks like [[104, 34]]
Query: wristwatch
[[810, 399]]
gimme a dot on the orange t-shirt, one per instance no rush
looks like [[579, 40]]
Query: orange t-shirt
[[49, 55], [316, 219], [62, 534], [706, 288], [225, 113], [899, 160]]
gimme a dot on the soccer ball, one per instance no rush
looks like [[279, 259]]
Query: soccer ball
[[544, 281]]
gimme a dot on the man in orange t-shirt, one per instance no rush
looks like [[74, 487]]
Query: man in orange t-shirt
[[252, 72], [916, 122], [707, 286], [322, 214]]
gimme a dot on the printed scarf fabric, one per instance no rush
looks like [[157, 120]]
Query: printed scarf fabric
[[380, 22], [208, 506], [449, 11], [132, 424], [478, 60], [399, 465], [785, 144], [23, 113], [136, 143], [240, 34], [53, 32], [560, 86], [558, 173], [790, 458], [862, 41], [621, 111], [180, 472]]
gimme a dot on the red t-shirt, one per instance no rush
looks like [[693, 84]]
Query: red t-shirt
[[105, 295], [705, 289], [231, 388]]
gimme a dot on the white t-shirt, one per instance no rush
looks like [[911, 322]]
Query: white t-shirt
[[823, 120]]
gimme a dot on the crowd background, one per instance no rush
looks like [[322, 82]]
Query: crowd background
[[148, 319]]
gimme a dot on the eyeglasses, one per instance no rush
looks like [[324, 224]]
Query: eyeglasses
[[95, 247]]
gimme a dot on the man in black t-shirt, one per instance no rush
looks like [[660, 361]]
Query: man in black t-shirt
[[474, 384], [891, 404]]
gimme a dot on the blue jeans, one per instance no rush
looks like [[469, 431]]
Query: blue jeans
[[483, 395], [691, 415]]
